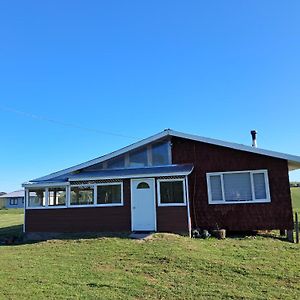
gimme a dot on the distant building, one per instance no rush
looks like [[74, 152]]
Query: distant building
[[12, 200]]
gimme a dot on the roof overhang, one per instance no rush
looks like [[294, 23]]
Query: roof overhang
[[146, 172]]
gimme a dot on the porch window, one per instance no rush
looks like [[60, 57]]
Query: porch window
[[171, 192], [109, 194], [238, 187], [57, 196], [82, 195], [36, 198]]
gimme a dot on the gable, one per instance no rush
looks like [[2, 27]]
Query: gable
[[117, 158]]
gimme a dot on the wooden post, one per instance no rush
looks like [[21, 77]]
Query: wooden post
[[290, 235], [297, 227], [282, 232]]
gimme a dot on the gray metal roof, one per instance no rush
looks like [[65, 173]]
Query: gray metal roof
[[15, 194], [170, 170]]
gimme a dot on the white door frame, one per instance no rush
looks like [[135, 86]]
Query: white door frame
[[154, 200]]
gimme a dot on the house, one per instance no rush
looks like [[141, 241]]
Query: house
[[13, 200], [2, 201], [169, 182]]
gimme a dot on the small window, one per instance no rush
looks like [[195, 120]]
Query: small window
[[238, 187], [82, 195], [109, 194], [171, 192], [13, 201], [36, 198], [57, 196], [143, 185]]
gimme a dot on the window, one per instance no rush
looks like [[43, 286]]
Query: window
[[238, 187], [57, 196], [116, 163], [82, 195], [13, 201], [143, 185], [109, 194], [171, 192], [160, 154], [36, 198], [138, 158]]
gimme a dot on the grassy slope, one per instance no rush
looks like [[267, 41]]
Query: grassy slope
[[296, 199], [168, 266]]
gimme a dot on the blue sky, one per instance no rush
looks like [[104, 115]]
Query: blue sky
[[213, 68]]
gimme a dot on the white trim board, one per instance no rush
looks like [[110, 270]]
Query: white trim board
[[293, 160]]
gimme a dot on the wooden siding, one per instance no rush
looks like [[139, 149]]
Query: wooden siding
[[172, 219], [238, 217], [86, 219]]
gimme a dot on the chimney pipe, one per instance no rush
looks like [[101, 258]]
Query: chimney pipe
[[254, 142]]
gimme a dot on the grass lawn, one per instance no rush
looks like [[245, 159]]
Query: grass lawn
[[11, 221], [164, 267], [296, 199]]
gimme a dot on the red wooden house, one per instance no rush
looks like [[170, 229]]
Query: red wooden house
[[170, 182]]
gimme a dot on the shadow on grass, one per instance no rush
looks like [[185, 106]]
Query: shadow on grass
[[15, 230], [13, 236], [253, 234]]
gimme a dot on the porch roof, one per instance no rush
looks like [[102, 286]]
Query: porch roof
[[169, 170]]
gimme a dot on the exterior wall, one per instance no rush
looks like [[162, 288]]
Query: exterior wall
[[97, 219], [237, 217], [171, 218], [19, 205], [86, 219]]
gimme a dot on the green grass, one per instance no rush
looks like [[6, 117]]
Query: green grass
[[295, 192], [11, 221], [164, 267]]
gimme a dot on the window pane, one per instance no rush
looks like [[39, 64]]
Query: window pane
[[216, 188], [82, 195], [109, 194], [117, 163], [57, 196], [171, 192], [237, 187], [138, 158], [259, 186], [36, 198], [160, 154], [143, 185]]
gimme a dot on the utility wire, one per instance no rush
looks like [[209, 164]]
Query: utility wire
[[71, 125]]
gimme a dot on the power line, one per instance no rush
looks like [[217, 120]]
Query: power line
[[71, 125]]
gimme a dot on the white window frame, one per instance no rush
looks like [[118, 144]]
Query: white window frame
[[171, 204], [68, 196], [33, 190], [92, 186], [109, 204], [46, 190], [57, 206], [251, 172]]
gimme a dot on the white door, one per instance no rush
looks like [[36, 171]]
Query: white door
[[143, 208]]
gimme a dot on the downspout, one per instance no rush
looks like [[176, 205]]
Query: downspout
[[188, 205], [25, 201]]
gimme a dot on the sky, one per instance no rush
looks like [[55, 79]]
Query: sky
[[79, 79]]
